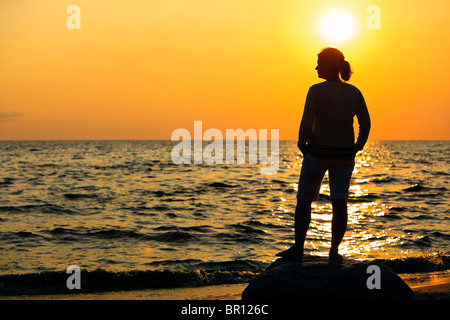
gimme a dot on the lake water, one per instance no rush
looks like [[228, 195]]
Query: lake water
[[124, 205]]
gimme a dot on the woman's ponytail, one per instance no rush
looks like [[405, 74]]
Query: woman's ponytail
[[345, 70]]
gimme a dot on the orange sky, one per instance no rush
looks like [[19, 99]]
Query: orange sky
[[140, 69]]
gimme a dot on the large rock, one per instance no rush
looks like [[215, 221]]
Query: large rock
[[315, 278]]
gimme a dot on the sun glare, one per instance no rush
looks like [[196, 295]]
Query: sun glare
[[337, 26]]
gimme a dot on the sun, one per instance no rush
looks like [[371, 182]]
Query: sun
[[337, 26]]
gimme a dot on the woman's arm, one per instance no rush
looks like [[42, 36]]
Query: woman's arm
[[309, 114], [364, 124]]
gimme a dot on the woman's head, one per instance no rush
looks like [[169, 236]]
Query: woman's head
[[330, 63]]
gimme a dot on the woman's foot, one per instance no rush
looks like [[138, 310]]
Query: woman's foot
[[335, 258], [293, 252]]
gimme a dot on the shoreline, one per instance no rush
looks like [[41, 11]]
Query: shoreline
[[425, 286]]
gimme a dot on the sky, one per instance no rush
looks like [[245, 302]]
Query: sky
[[140, 69]]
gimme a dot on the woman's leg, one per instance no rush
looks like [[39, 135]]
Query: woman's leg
[[339, 175], [338, 226], [302, 220], [310, 180]]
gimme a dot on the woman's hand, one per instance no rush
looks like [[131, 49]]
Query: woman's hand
[[301, 147]]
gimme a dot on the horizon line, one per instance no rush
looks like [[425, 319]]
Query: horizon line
[[36, 140]]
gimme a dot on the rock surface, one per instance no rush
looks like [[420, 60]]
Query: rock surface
[[315, 278]]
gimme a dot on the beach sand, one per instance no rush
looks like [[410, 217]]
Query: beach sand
[[429, 286], [426, 286]]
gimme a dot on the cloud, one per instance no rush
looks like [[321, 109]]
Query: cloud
[[9, 116]]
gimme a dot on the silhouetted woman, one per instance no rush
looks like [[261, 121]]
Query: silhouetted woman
[[327, 141]]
